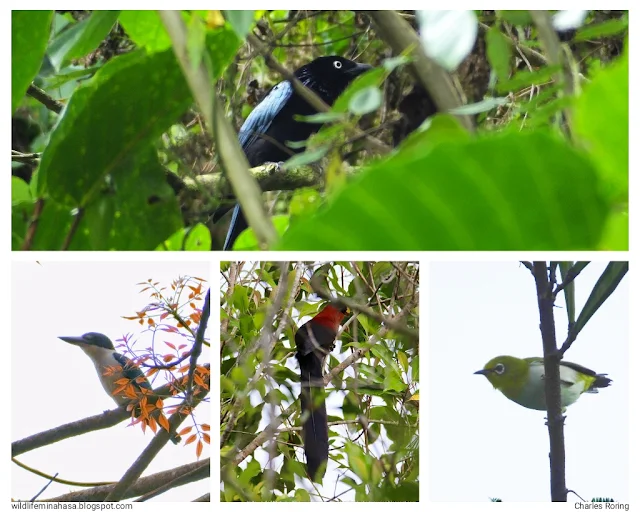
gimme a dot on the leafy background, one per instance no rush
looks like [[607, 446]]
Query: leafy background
[[261, 306], [110, 152]]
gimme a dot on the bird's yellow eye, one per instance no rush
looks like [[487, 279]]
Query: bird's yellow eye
[[337, 64], [499, 368]]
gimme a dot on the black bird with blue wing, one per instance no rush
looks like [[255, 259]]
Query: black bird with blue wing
[[271, 124]]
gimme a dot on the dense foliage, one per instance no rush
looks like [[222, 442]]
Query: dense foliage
[[523, 145], [372, 397]]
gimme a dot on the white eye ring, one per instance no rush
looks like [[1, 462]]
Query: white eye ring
[[337, 64], [499, 369]]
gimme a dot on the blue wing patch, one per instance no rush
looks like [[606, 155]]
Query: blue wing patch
[[262, 116], [132, 372]]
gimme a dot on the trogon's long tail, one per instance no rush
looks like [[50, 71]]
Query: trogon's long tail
[[315, 431]]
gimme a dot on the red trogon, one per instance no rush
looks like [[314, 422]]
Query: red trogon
[[314, 340]]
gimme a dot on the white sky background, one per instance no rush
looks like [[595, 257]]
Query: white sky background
[[54, 382], [482, 445], [335, 400]]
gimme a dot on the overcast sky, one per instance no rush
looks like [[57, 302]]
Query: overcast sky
[[482, 445], [54, 382]]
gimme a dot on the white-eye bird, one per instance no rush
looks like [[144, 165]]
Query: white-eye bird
[[120, 377], [522, 380]]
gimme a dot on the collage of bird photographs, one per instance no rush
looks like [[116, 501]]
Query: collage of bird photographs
[[356, 182]]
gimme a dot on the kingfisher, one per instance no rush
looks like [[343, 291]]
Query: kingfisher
[[120, 377]]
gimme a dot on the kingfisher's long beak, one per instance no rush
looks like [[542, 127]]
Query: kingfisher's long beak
[[74, 340]]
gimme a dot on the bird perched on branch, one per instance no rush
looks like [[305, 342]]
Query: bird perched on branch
[[314, 340], [271, 124], [123, 381], [522, 380]]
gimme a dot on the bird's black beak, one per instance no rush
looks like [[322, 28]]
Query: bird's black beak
[[359, 69], [74, 340], [482, 372]]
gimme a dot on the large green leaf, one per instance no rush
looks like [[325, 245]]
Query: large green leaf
[[197, 238], [145, 28], [82, 38], [135, 209], [602, 119], [101, 157], [507, 192], [129, 102], [607, 283], [29, 36], [241, 21]]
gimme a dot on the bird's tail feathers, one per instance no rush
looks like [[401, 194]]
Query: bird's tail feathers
[[315, 430], [601, 381]]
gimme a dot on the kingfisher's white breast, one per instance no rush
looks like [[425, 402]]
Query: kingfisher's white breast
[[103, 359]]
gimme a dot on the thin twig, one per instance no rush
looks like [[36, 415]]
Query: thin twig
[[38, 94]]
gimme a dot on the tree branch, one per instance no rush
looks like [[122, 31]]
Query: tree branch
[[401, 37], [555, 419], [196, 470]]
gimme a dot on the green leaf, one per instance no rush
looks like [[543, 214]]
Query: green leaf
[[498, 52], [29, 36], [608, 282], [20, 192], [197, 238], [82, 38], [68, 74], [392, 382], [403, 360], [479, 107], [505, 192], [241, 21], [515, 17], [599, 30], [196, 38], [302, 495], [308, 157], [365, 101], [525, 78], [604, 125], [247, 240], [549, 92], [146, 29], [440, 128], [321, 117], [616, 232], [372, 78], [392, 373], [393, 62], [134, 209], [358, 461], [304, 202], [540, 116], [141, 93]]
